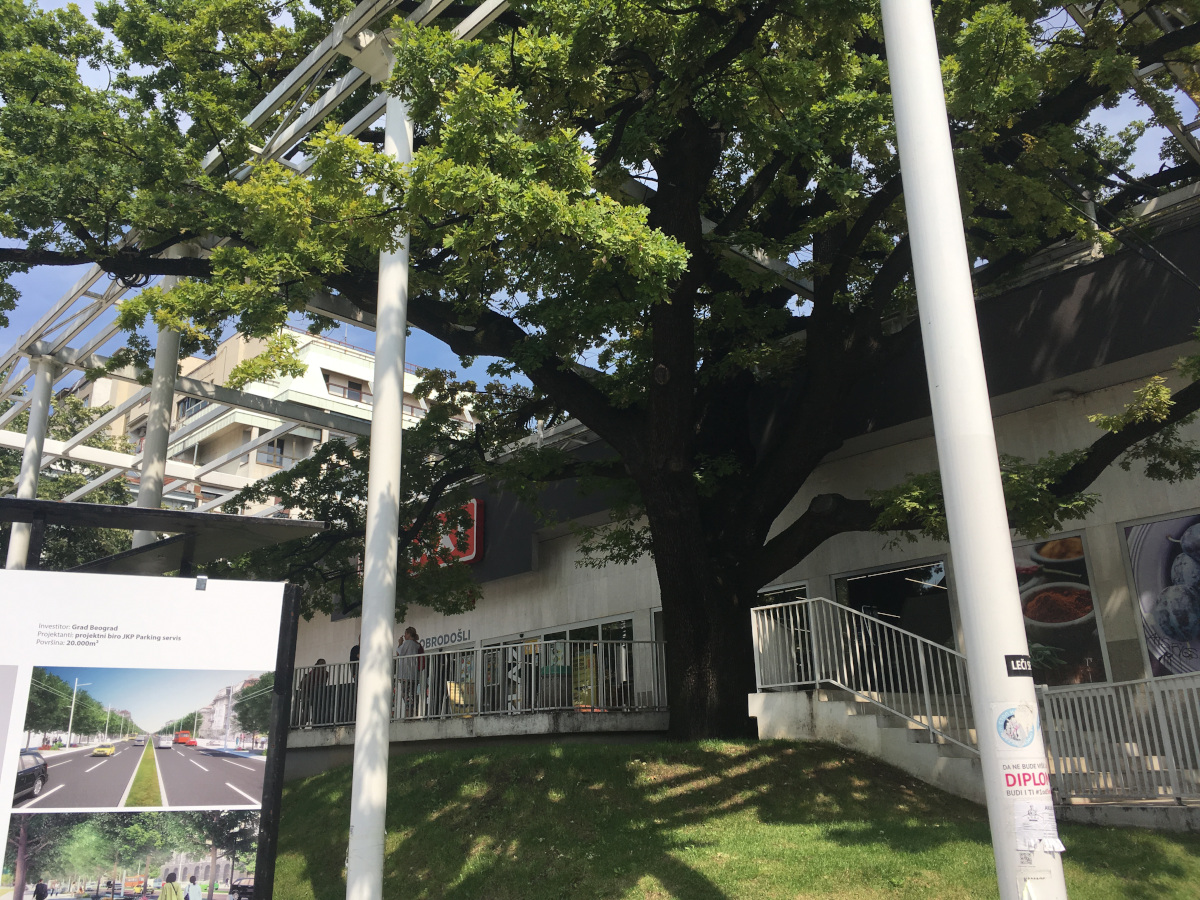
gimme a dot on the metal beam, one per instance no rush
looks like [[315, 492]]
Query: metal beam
[[317, 113], [341, 310], [13, 411], [14, 440], [347, 26], [241, 450], [217, 501], [288, 410], [483, 16], [34, 333], [104, 421]]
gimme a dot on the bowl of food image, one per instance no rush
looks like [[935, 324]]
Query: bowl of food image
[[1056, 610], [1061, 556], [1166, 569]]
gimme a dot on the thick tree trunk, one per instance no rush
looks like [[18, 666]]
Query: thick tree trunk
[[706, 617]]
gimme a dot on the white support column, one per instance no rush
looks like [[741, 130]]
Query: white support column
[[1015, 771], [44, 374], [368, 799], [158, 424]]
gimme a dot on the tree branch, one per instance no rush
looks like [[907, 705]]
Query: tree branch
[[827, 515], [120, 263], [1109, 447]]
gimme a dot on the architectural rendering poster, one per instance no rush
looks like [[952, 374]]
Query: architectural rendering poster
[[135, 726], [1165, 559], [1060, 619]]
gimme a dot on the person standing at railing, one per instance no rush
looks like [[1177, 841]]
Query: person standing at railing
[[408, 671], [441, 671], [312, 690], [351, 686]]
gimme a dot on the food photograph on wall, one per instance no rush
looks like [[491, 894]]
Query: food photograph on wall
[[1060, 615], [1165, 559]]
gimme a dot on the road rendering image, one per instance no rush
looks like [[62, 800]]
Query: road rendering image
[[77, 779], [198, 776], [187, 776], [88, 749]]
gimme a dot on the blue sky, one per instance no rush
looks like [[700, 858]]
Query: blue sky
[[153, 696], [43, 286]]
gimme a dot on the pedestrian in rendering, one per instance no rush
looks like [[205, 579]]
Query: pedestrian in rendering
[[192, 890], [170, 889], [409, 670], [41, 890]]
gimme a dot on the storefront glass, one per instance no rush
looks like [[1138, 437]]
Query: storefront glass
[[1061, 623], [1164, 557], [915, 598]]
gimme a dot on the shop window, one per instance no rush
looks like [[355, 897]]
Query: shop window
[[915, 598], [1061, 624], [617, 631], [791, 594]]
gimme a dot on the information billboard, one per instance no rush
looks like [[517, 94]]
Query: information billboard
[[136, 722]]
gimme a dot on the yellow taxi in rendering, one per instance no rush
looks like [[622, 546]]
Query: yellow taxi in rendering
[[104, 750]]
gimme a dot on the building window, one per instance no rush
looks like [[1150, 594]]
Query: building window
[[271, 453], [188, 407], [915, 598], [343, 386]]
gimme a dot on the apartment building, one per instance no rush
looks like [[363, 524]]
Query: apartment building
[[337, 379]]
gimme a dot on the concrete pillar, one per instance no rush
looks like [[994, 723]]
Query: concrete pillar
[[45, 371], [368, 799], [158, 427]]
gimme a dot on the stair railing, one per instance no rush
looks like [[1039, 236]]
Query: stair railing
[[820, 644], [1137, 740]]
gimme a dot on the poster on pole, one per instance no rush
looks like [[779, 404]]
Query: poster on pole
[[135, 720], [1066, 643]]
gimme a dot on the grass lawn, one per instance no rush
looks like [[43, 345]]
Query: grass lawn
[[145, 783], [705, 821]]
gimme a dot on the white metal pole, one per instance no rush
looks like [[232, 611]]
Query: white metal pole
[[1015, 770], [158, 424], [368, 799], [44, 373]]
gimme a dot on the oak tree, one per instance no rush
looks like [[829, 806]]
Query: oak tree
[[596, 187]]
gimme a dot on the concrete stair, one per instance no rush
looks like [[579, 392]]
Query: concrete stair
[[848, 720]]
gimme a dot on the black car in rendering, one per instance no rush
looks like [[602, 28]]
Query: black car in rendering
[[32, 775], [242, 889]]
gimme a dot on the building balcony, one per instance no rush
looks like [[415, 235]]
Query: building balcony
[[550, 687]]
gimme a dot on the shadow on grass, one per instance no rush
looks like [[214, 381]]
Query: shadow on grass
[[588, 821]]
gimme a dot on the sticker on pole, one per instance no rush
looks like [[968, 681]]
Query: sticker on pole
[[1017, 725]]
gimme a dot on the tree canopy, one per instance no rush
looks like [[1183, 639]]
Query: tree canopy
[[252, 704], [595, 188], [49, 709]]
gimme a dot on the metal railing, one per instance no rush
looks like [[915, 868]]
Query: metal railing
[[1134, 739], [818, 643], [510, 679]]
